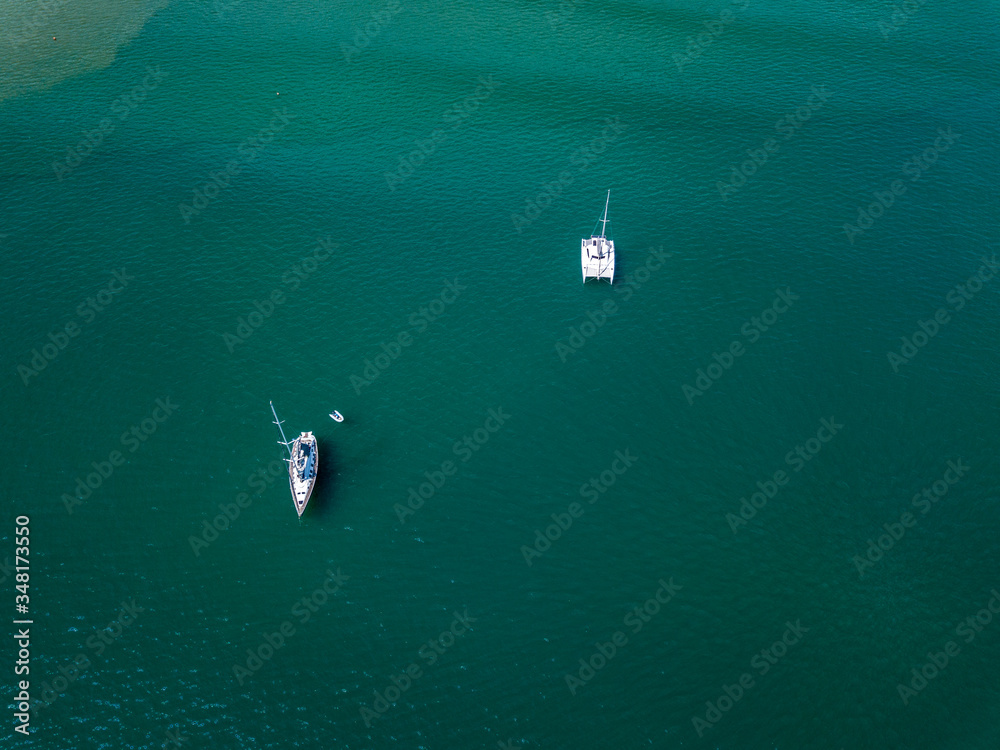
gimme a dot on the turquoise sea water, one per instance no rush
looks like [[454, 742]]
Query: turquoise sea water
[[455, 154]]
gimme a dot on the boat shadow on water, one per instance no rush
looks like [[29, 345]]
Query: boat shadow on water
[[322, 494]]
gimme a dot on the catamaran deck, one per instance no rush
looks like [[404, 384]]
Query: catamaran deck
[[597, 256]]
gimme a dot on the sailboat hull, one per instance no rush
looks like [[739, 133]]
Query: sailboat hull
[[303, 467]]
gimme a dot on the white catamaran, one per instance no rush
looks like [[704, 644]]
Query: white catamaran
[[303, 464], [597, 254]]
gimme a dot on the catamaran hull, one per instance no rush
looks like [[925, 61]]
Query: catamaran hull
[[597, 258]]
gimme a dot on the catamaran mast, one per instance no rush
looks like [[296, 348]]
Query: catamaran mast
[[284, 440], [604, 221]]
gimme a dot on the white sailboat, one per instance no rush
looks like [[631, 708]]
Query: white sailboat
[[597, 254], [303, 464]]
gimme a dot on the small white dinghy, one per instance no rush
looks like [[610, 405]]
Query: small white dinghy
[[336, 416]]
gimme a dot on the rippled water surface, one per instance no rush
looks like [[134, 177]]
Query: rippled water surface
[[376, 208]]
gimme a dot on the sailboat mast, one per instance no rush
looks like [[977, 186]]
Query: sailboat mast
[[278, 422], [604, 221]]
